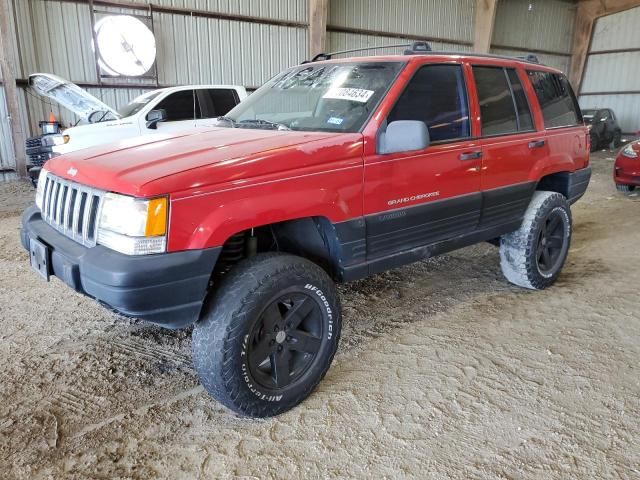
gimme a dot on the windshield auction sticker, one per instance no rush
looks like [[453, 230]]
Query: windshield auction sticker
[[352, 94]]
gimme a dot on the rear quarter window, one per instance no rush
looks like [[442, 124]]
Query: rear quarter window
[[556, 98]]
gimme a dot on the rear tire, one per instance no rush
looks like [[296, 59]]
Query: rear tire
[[533, 256], [268, 334], [595, 143], [625, 188]]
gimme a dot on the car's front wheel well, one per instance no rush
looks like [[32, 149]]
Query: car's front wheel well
[[313, 238]]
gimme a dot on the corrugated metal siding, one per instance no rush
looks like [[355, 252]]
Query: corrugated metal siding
[[535, 25], [612, 72], [55, 37], [617, 31], [615, 72], [6, 149], [560, 62], [339, 41], [434, 18]]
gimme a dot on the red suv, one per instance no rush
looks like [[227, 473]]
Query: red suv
[[332, 171]]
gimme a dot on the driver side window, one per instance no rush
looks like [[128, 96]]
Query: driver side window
[[180, 106], [437, 96]]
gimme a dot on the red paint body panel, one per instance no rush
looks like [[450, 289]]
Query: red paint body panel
[[626, 171], [226, 180]]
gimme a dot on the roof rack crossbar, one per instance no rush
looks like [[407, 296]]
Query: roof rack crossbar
[[327, 56]]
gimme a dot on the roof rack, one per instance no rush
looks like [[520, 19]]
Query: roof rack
[[327, 56], [420, 48], [530, 57]]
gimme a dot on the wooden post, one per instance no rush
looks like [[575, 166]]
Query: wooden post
[[587, 14], [7, 67], [318, 13], [483, 25]]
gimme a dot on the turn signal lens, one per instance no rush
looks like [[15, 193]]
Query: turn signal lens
[[156, 218]]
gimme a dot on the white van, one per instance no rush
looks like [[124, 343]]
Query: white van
[[166, 110]]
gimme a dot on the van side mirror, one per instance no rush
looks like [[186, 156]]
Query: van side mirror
[[404, 136], [156, 116]]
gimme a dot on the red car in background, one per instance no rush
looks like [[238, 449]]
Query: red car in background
[[626, 170]]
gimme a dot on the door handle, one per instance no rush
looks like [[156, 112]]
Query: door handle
[[470, 155], [537, 144]]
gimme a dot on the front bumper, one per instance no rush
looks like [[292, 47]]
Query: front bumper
[[166, 289], [627, 171]]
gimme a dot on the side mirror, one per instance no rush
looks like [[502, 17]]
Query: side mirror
[[156, 116], [404, 136]]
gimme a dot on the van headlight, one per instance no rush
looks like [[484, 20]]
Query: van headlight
[[42, 180], [133, 226], [629, 151]]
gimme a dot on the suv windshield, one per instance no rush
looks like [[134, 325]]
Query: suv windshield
[[135, 105], [334, 97]]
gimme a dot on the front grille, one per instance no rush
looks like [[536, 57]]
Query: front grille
[[72, 209], [33, 142], [36, 152]]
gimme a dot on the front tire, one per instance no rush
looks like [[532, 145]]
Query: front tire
[[533, 256], [268, 334], [617, 139]]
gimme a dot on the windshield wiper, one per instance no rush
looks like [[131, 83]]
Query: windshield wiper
[[259, 123], [230, 121]]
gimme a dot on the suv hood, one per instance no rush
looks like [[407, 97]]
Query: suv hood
[[160, 164], [69, 95]]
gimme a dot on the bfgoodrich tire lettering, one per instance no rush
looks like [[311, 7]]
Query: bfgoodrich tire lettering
[[268, 335], [533, 256]]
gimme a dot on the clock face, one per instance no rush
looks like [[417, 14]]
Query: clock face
[[126, 46]]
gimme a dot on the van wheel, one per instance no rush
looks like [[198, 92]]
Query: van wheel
[[533, 256], [617, 139], [625, 188], [268, 334]]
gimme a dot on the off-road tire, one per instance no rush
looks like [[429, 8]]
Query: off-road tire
[[625, 188], [221, 336], [519, 250]]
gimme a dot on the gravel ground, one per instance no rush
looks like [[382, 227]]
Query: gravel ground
[[445, 370]]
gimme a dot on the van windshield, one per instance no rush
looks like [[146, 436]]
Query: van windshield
[[333, 97], [135, 105]]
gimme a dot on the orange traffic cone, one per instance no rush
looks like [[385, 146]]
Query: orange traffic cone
[[52, 118]]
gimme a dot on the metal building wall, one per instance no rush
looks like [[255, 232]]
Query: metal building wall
[[54, 36], [365, 23], [541, 27], [612, 72]]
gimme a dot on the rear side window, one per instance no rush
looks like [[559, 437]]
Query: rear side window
[[215, 102], [556, 98], [497, 107], [436, 95], [179, 106]]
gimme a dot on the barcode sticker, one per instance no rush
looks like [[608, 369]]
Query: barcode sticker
[[352, 94]]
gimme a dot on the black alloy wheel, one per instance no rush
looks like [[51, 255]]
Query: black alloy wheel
[[551, 243], [285, 340]]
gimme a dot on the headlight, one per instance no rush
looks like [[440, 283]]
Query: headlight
[[133, 226], [55, 140], [42, 180], [629, 151]]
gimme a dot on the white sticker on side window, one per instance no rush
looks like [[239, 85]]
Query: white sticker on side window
[[352, 94]]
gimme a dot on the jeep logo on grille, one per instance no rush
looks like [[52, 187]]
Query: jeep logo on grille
[[72, 171]]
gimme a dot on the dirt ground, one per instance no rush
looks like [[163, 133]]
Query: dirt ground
[[444, 371]]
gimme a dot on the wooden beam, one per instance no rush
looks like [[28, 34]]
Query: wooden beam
[[587, 13], [318, 14], [7, 67], [483, 25]]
